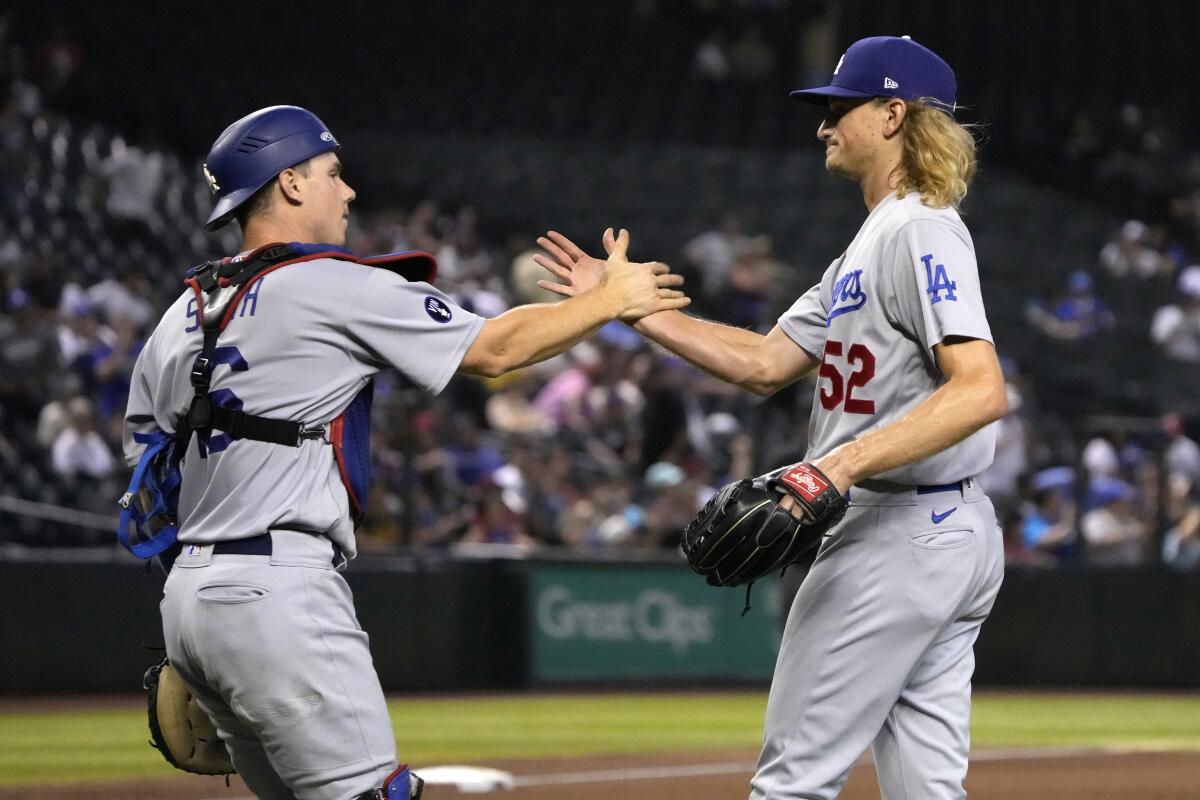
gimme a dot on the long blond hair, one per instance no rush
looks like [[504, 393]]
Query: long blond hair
[[938, 160]]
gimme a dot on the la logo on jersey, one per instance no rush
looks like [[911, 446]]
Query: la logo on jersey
[[848, 295], [937, 281], [436, 309]]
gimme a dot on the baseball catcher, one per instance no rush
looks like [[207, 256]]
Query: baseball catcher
[[747, 531]]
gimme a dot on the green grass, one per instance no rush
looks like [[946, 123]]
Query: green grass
[[96, 745], [1159, 722]]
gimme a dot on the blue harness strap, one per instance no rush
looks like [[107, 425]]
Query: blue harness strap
[[150, 502]]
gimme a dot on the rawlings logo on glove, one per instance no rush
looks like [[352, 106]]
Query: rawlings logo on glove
[[805, 479]]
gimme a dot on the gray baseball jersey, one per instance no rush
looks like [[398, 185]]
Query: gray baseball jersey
[[907, 281], [878, 649], [303, 343]]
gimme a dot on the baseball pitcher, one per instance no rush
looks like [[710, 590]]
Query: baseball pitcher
[[878, 647]]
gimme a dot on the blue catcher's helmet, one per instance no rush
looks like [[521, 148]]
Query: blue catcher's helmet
[[255, 149]]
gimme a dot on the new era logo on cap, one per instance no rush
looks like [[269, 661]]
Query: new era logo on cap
[[888, 83]]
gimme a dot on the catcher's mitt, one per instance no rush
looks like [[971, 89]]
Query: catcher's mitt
[[179, 728], [743, 533]]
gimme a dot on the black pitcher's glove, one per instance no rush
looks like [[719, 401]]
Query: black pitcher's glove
[[179, 728], [743, 533]]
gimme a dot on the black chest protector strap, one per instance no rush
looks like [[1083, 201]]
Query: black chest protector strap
[[203, 414]]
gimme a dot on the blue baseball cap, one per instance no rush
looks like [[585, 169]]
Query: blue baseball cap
[[889, 66], [255, 149]]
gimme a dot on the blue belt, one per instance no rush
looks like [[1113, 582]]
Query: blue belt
[[941, 487], [254, 546], [887, 488], [260, 546]]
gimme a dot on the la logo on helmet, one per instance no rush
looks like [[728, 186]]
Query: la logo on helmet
[[212, 182]]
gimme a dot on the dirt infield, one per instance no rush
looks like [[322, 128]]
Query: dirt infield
[[994, 776]]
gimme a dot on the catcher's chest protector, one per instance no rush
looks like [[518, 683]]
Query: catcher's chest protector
[[151, 501]]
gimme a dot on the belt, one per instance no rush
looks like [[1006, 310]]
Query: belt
[[941, 487], [886, 493], [260, 546], [252, 546]]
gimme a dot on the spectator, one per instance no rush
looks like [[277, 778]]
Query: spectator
[[10, 249], [753, 284], [495, 523], [28, 358], [750, 58], [125, 296], [1079, 315], [713, 252], [711, 61], [1100, 459], [471, 456], [510, 410], [55, 415], [1181, 544], [1049, 525], [422, 233], [58, 61], [79, 450], [563, 398], [1133, 252], [81, 333], [1112, 530], [524, 273], [1176, 327], [463, 259], [1182, 454], [135, 176], [114, 367]]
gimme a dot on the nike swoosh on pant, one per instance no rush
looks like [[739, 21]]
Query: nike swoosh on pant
[[936, 517]]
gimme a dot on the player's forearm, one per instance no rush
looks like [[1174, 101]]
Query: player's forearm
[[722, 351], [531, 333], [952, 413]]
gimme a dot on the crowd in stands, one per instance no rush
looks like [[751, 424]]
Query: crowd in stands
[[613, 445]]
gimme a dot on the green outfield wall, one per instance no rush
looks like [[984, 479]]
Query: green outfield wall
[[630, 621], [76, 622]]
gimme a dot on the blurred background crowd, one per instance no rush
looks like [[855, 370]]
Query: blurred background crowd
[[1086, 220]]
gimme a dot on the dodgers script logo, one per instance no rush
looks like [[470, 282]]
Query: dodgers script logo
[[436, 309], [847, 296]]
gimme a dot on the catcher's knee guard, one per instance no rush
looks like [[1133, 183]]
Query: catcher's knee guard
[[403, 784]]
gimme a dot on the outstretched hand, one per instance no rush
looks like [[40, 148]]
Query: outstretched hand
[[639, 289], [576, 270]]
